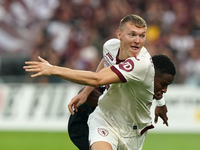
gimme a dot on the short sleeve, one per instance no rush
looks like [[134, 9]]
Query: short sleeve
[[132, 69]]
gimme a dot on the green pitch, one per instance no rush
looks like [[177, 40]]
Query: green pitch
[[172, 142], [61, 141], [35, 141]]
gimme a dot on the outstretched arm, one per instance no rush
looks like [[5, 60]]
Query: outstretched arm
[[83, 95], [88, 89], [95, 79]]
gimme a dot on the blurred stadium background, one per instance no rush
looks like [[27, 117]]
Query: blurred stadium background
[[70, 33]]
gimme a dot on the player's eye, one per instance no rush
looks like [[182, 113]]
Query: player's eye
[[142, 35], [132, 34]]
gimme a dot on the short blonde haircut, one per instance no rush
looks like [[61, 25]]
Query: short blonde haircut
[[134, 19]]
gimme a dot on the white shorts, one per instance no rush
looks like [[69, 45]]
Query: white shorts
[[101, 130]]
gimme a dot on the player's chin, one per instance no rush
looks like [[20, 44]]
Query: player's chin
[[134, 52], [157, 96]]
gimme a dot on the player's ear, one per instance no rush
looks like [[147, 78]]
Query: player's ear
[[119, 34]]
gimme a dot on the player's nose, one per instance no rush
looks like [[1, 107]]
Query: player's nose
[[137, 40]]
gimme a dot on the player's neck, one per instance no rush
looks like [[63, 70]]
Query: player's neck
[[122, 55]]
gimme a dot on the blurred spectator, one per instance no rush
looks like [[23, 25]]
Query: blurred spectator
[[14, 16], [42, 9], [71, 33], [190, 69], [59, 28], [196, 21]]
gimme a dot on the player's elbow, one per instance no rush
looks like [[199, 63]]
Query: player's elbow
[[96, 83], [96, 80]]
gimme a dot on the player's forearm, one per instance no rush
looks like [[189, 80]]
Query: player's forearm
[[77, 76], [88, 89]]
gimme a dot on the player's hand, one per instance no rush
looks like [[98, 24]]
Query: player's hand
[[76, 102], [162, 113], [41, 68]]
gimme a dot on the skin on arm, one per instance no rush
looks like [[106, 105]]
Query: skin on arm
[[162, 113], [82, 96], [161, 82], [103, 77], [95, 79], [88, 89]]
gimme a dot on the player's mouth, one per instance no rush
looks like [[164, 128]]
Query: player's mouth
[[135, 48]]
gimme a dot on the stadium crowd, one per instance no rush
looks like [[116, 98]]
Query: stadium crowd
[[71, 33]]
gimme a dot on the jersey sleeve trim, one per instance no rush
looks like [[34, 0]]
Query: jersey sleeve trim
[[119, 74]]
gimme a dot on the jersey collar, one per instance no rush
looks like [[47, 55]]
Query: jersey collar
[[118, 61]]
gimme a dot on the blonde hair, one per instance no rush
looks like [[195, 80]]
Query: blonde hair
[[138, 21]]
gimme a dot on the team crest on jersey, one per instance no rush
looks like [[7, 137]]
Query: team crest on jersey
[[127, 65], [103, 132]]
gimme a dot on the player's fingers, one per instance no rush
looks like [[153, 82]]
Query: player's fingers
[[32, 63], [164, 118], [165, 121], [33, 70], [36, 75], [30, 67], [73, 104], [76, 106], [156, 119], [70, 108], [42, 60]]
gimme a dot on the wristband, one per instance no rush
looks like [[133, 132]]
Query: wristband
[[160, 102]]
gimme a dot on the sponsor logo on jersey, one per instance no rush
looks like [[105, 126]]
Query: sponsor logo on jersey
[[110, 56]]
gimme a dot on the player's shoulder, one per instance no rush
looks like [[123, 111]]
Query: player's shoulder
[[144, 54], [144, 58], [112, 42]]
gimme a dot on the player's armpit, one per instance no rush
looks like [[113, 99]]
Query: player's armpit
[[107, 76]]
